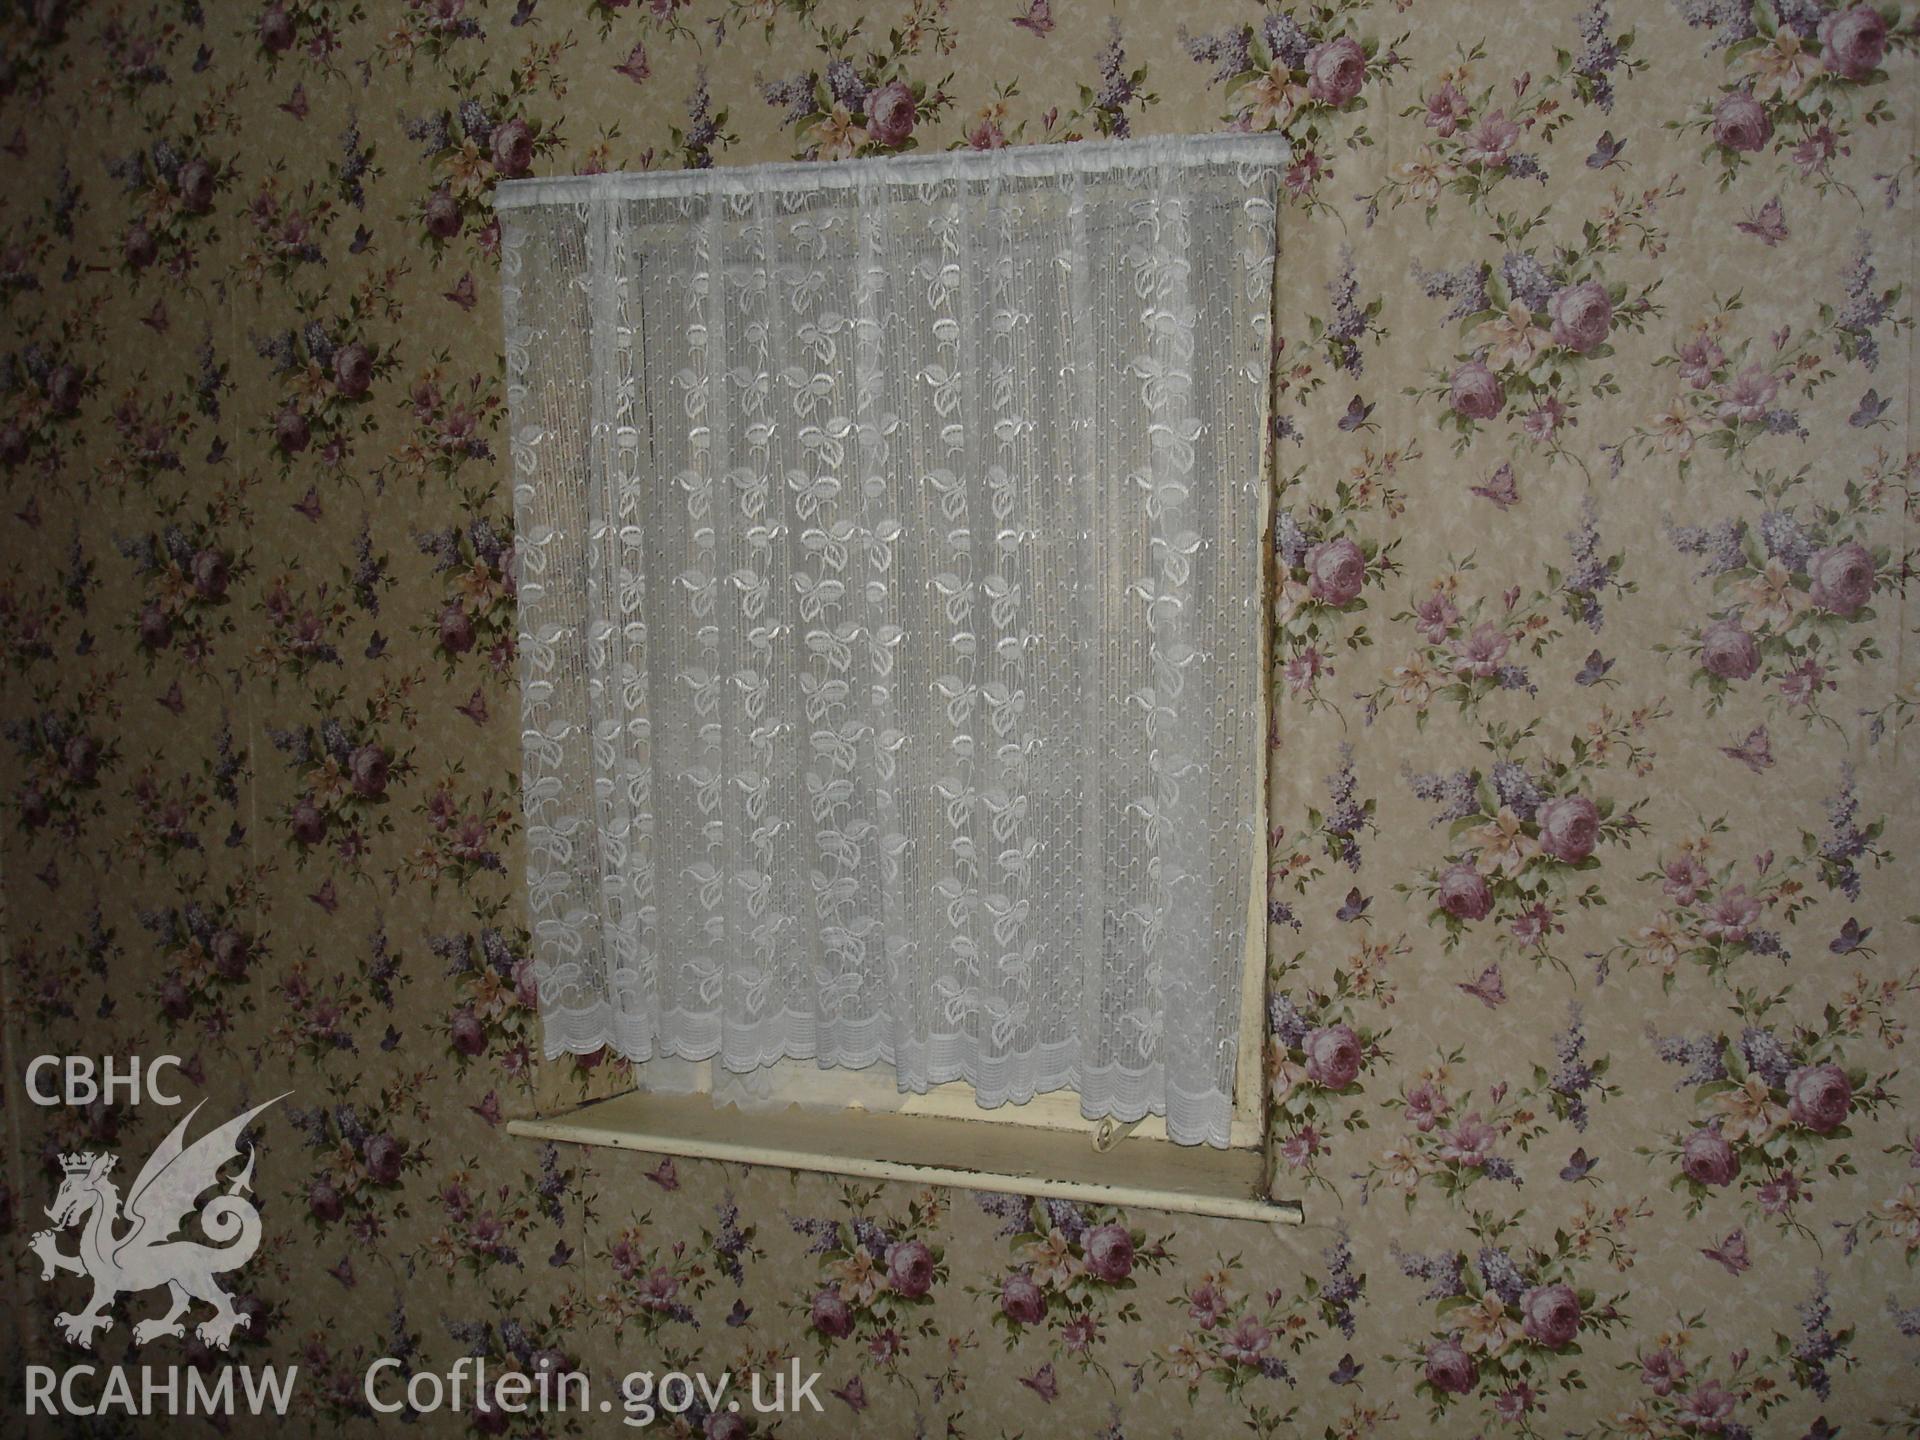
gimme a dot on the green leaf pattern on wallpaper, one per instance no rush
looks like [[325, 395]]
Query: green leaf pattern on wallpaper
[[1592, 931]]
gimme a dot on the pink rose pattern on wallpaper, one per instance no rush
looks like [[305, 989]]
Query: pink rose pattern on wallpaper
[[1592, 932]]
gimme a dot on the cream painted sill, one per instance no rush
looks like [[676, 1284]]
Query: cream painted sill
[[929, 1150]]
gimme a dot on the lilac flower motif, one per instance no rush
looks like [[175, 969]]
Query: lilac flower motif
[[1817, 1344], [1906, 1320], [1703, 1055], [1228, 52], [1515, 677], [432, 133], [1342, 1286], [314, 1123], [1466, 287], [1456, 794], [1288, 43], [142, 550], [347, 1121], [823, 1234], [1527, 280], [1845, 842], [1501, 1275], [382, 967], [227, 767], [1442, 1271], [493, 945], [1070, 1219], [1349, 320], [455, 950], [1515, 788], [729, 1240], [513, 1339], [845, 84], [1498, 1167], [400, 1344], [319, 344], [66, 201], [1864, 311], [443, 546], [335, 740], [795, 92], [282, 349], [475, 122], [872, 1238], [368, 572], [1600, 56], [1803, 17], [199, 924], [1589, 574], [476, 1335], [1347, 817], [1765, 1056], [353, 166], [1732, 20], [1289, 1027], [129, 169], [702, 130], [1010, 1210], [212, 379], [1574, 1077], [1290, 540], [1786, 542], [1723, 545], [1116, 90]]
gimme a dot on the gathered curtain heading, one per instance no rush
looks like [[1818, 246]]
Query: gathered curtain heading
[[889, 537]]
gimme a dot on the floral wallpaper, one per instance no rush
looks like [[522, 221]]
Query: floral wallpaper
[[1592, 927]]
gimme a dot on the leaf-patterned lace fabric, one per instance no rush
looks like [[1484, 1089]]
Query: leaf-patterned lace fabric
[[890, 615]]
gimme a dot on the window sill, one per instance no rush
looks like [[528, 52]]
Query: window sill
[[922, 1150]]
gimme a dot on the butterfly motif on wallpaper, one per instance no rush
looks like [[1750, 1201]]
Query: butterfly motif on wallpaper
[[1356, 417], [636, 66], [665, 1175], [1868, 412], [1755, 752], [1489, 989], [1853, 937], [1500, 488], [1579, 1166], [1038, 19], [1769, 222], [1606, 151], [1594, 671], [1731, 1252]]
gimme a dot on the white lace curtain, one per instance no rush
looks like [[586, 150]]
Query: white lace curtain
[[889, 603]]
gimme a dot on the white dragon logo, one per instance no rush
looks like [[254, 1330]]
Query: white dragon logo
[[146, 1255]]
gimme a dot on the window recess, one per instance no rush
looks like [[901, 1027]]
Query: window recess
[[892, 640]]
